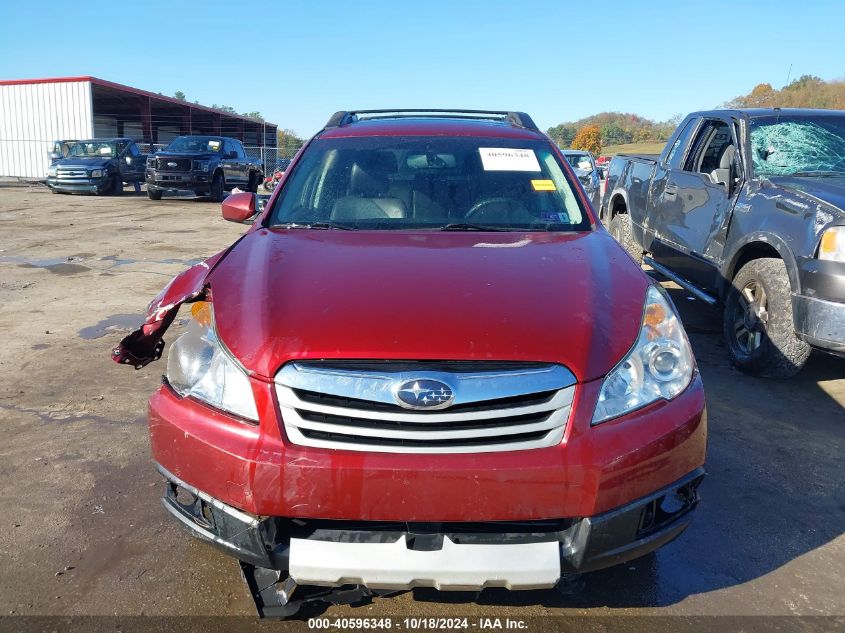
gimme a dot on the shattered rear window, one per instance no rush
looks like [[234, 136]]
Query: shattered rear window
[[798, 145]]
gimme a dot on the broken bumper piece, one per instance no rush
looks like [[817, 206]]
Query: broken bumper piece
[[389, 556]]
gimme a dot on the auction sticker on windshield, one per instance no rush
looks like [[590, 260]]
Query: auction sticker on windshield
[[508, 159]]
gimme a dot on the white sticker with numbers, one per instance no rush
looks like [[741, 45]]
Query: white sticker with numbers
[[508, 159]]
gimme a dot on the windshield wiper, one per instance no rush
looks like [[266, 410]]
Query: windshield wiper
[[467, 226], [820, 173], [315, 225]]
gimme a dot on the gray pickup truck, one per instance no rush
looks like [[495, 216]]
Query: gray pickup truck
[[745, 209]]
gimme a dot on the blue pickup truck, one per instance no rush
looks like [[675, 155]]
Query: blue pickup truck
[[745, 209], [98, 166]]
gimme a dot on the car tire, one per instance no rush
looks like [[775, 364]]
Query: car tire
[[218, 186], [116, 186], [758, 324], [620, 229], [154, 194]]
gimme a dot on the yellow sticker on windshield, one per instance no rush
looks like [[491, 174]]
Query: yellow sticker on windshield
[[543, 185]]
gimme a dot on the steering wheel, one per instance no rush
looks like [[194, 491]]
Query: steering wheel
[[477, 210]]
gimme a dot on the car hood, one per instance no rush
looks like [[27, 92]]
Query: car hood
[[92, 162], [195, 156], [829, 190], [574, 299]]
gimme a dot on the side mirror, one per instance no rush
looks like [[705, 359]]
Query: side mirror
[[231, 154], [239, 207]]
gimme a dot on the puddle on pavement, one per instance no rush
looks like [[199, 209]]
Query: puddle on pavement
[[115, 322], [68, 265], [62, 268]]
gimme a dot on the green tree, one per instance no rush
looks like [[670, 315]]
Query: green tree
[[288, 141], [615, 134], [562, 134], [253, 115], [179, 95]]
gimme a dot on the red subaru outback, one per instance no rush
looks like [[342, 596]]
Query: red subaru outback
[[425, 364]]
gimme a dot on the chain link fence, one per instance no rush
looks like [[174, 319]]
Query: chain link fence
[[271, 158]]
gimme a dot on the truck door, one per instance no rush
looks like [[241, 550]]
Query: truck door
[[132, 164], [691, 204], [229, 163], [243, 162]]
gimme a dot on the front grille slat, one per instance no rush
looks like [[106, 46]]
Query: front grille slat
[[438, 443], [351, 406]]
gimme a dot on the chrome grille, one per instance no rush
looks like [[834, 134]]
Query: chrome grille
[[353, 406], [71, 173]]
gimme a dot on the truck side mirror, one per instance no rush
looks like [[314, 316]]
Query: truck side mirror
[[232, 154], [239, 207]]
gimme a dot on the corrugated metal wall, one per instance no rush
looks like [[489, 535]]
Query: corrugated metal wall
[[32, 116]]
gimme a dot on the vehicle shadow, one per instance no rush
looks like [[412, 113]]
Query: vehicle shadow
[[774, 489]]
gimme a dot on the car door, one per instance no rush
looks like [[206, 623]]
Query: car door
[[689, 206]]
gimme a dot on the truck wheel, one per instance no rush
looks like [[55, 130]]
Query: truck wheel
[[254, 179], [116, 186], [758, 325], [620, 229], [154, 194], [217, 187]]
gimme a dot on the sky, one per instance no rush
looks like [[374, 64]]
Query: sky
[[298, 62]]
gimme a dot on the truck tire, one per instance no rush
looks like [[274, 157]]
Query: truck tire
[[116, 186], [254, 179], [217, 188], [620, 229], [154, 194], [758, 325]]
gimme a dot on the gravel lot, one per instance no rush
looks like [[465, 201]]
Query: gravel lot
[[82, 530]]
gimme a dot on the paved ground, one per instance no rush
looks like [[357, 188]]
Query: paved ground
[[82, 531]]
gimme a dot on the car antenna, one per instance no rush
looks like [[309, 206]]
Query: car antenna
[[788, 75]]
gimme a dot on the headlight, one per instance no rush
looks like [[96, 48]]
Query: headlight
[[96, 173], [660, 365], [832, 246], [52, 171], [199, 365], [202, 165]]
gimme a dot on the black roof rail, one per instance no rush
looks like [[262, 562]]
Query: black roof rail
[[345, 117]]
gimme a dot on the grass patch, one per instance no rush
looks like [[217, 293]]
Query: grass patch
[[633, 148]]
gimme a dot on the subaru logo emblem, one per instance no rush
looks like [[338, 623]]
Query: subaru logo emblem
[[424, 394], [171, 164]]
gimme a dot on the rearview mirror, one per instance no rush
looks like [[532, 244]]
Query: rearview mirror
[[239, 207]]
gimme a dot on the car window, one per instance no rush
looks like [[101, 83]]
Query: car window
[[676, 154], [711, 144], [239, 149], [427, 182]]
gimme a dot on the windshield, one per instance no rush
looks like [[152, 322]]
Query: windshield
[[435, 182], [579, 161], [93, 149], [195, 145], [798, 146]]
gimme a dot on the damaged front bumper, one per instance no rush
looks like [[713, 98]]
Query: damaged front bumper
[[447, 556], [820, 308]]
